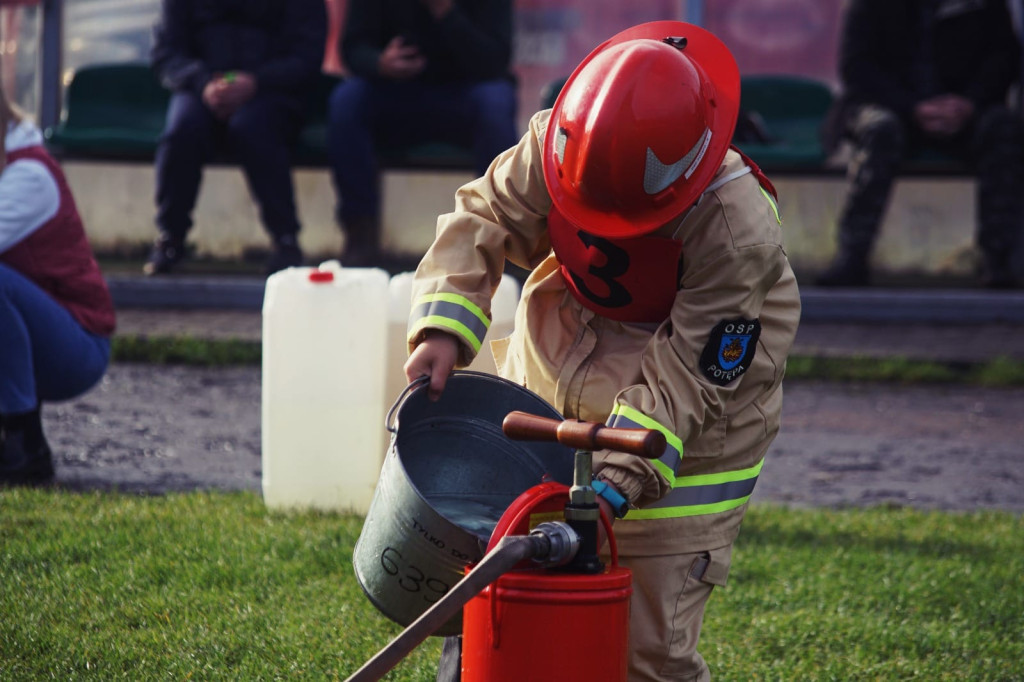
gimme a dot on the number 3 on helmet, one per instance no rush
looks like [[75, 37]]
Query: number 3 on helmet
[[640, 128]]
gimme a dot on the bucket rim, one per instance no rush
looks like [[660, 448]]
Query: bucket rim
[[392, 418]]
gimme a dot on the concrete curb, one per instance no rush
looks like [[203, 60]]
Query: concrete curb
[[943, 306]]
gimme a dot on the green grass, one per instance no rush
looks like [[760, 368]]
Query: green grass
[[185, 350], [195, 586], [212, 586], [1002, 371]]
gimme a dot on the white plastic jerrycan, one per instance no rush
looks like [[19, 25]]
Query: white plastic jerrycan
[[503, 316], [324, 341]]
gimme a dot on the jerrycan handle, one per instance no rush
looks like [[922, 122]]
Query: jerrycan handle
[[584, 435], [413, 385]]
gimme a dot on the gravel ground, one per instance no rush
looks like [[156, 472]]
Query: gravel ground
[[152, 429]]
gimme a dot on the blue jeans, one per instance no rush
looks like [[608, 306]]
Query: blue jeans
[[259, 136], [365, 115], [44, 353]]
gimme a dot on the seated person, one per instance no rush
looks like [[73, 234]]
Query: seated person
[[419, 70], [56, 315], [240, 74], [929, 74]]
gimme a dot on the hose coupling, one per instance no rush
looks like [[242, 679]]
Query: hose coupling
[[563, 543]]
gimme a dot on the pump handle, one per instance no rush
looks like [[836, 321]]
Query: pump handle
[[584, 435]]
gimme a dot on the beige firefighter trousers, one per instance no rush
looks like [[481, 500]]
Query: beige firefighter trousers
[[666, 613]]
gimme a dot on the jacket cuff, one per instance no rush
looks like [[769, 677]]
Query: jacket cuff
[[624, 481]]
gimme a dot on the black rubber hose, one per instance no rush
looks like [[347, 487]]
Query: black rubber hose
[[509, 551]]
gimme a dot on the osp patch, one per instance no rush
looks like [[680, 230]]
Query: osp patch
[[730, 350]]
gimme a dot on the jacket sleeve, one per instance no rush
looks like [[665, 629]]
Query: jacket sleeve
[[304, 36], [29, 196], [863, 69], [481, 42], [359, 46], [501, 215], [173, 56], [727, 280]]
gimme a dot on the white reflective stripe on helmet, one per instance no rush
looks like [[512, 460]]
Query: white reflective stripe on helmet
[[560, 138], [659, 175]]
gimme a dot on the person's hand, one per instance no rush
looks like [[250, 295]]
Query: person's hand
[[434, 357], [943, 116], [212, 98], [226, 93], [400, 61], [237, 88]]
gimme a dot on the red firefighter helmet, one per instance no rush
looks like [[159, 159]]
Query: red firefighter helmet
[[640, 128]]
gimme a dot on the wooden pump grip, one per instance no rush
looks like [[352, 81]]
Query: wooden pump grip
[[584, 435]]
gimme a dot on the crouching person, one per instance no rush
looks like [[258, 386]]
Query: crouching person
[[56, 314]]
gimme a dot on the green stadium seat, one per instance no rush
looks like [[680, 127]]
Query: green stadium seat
[[116, 112], [111, 111], [790, 110]]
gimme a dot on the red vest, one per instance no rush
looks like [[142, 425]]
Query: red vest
[[628, 280], [57, 257]]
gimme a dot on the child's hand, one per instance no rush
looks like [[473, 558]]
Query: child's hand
[[434, 357]]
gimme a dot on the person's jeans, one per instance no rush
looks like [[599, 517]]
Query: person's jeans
[[45, 354], [365, 116], [259, 136]]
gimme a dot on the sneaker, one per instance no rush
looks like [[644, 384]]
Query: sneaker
[[166, 254], [287, 254], [998, 274], [1000, 280], [361, 257]]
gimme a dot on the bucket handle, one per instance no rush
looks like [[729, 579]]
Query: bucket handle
[[414, 384]]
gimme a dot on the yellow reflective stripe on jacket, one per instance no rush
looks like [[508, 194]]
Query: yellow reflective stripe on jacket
[[773, 202], [624, 416], [451, 311], [703, 494]]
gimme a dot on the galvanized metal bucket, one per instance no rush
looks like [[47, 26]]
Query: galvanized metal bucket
[[449, 474]]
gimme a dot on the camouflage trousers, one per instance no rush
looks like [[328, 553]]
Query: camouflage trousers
[[993, 148]]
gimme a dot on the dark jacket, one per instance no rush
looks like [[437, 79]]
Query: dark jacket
[[281, 42], [472, 42], [889, 56]]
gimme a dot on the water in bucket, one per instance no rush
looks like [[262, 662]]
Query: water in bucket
[[473, 515]]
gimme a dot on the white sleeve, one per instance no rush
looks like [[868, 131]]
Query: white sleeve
[[28, 198]]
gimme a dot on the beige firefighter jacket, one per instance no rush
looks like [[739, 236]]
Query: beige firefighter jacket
[[592, 368]]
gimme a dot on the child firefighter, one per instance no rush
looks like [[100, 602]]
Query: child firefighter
[[660, 296]]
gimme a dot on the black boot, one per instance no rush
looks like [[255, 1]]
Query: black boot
[[362, 243], [847, 270], [166, 254], [287, 254], [26, 458], [998, 272]]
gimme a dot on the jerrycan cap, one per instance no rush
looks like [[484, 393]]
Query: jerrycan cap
[[321, 276], [325, 272]]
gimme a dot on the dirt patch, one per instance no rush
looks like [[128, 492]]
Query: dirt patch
[[153, 429]]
